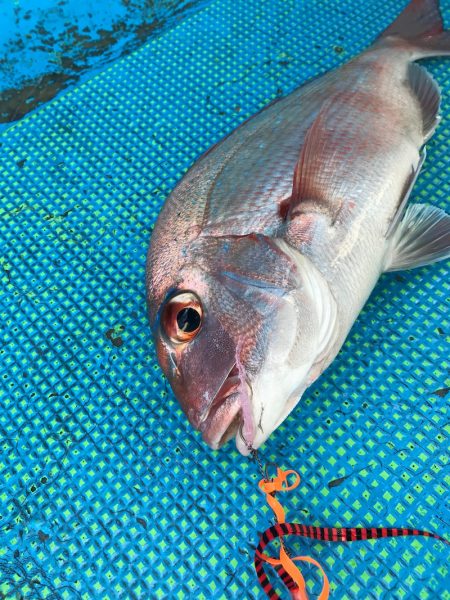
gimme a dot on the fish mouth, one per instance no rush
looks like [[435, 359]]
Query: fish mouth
[[225, 416]]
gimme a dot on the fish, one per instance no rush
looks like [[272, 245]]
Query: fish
[[266, 251]]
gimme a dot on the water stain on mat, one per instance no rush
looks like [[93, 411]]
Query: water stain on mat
[[114, 335], [47, 47], [442, 392]]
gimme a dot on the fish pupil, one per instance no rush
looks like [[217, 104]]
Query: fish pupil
[[188, 320]]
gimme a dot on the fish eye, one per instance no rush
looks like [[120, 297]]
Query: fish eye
[[182, 317], [188, 320]]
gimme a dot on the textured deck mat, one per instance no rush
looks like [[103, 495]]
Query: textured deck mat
[[105, 491]]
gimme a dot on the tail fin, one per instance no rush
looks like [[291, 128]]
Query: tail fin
[[420, 24]]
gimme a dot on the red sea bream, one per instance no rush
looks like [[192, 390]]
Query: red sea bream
[[266, 251]]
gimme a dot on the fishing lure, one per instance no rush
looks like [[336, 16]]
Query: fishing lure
[[284, 564]]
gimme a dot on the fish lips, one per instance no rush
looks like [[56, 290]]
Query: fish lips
[[223, 423], [225, 418]]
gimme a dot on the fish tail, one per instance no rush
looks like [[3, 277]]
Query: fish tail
[[422, 27]]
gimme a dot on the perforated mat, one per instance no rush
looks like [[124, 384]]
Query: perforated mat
[[105, 491]]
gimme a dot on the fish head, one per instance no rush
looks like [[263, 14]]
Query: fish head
[[197, 353], [237, 334]]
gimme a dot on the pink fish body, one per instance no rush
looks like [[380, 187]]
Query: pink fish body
[[266, 251]]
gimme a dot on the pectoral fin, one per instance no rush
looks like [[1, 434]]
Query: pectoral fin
[[422, 237], [330, 154]]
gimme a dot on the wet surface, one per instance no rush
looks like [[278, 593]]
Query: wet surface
[[47, 46]]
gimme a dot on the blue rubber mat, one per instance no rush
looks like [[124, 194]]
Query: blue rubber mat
[[48, 46], [105, 491]]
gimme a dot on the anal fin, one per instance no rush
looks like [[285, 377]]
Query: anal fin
[[422, 237], [409, 184], [428, 95]]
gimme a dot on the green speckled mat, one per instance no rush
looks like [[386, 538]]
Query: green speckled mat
[[105, 491]]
